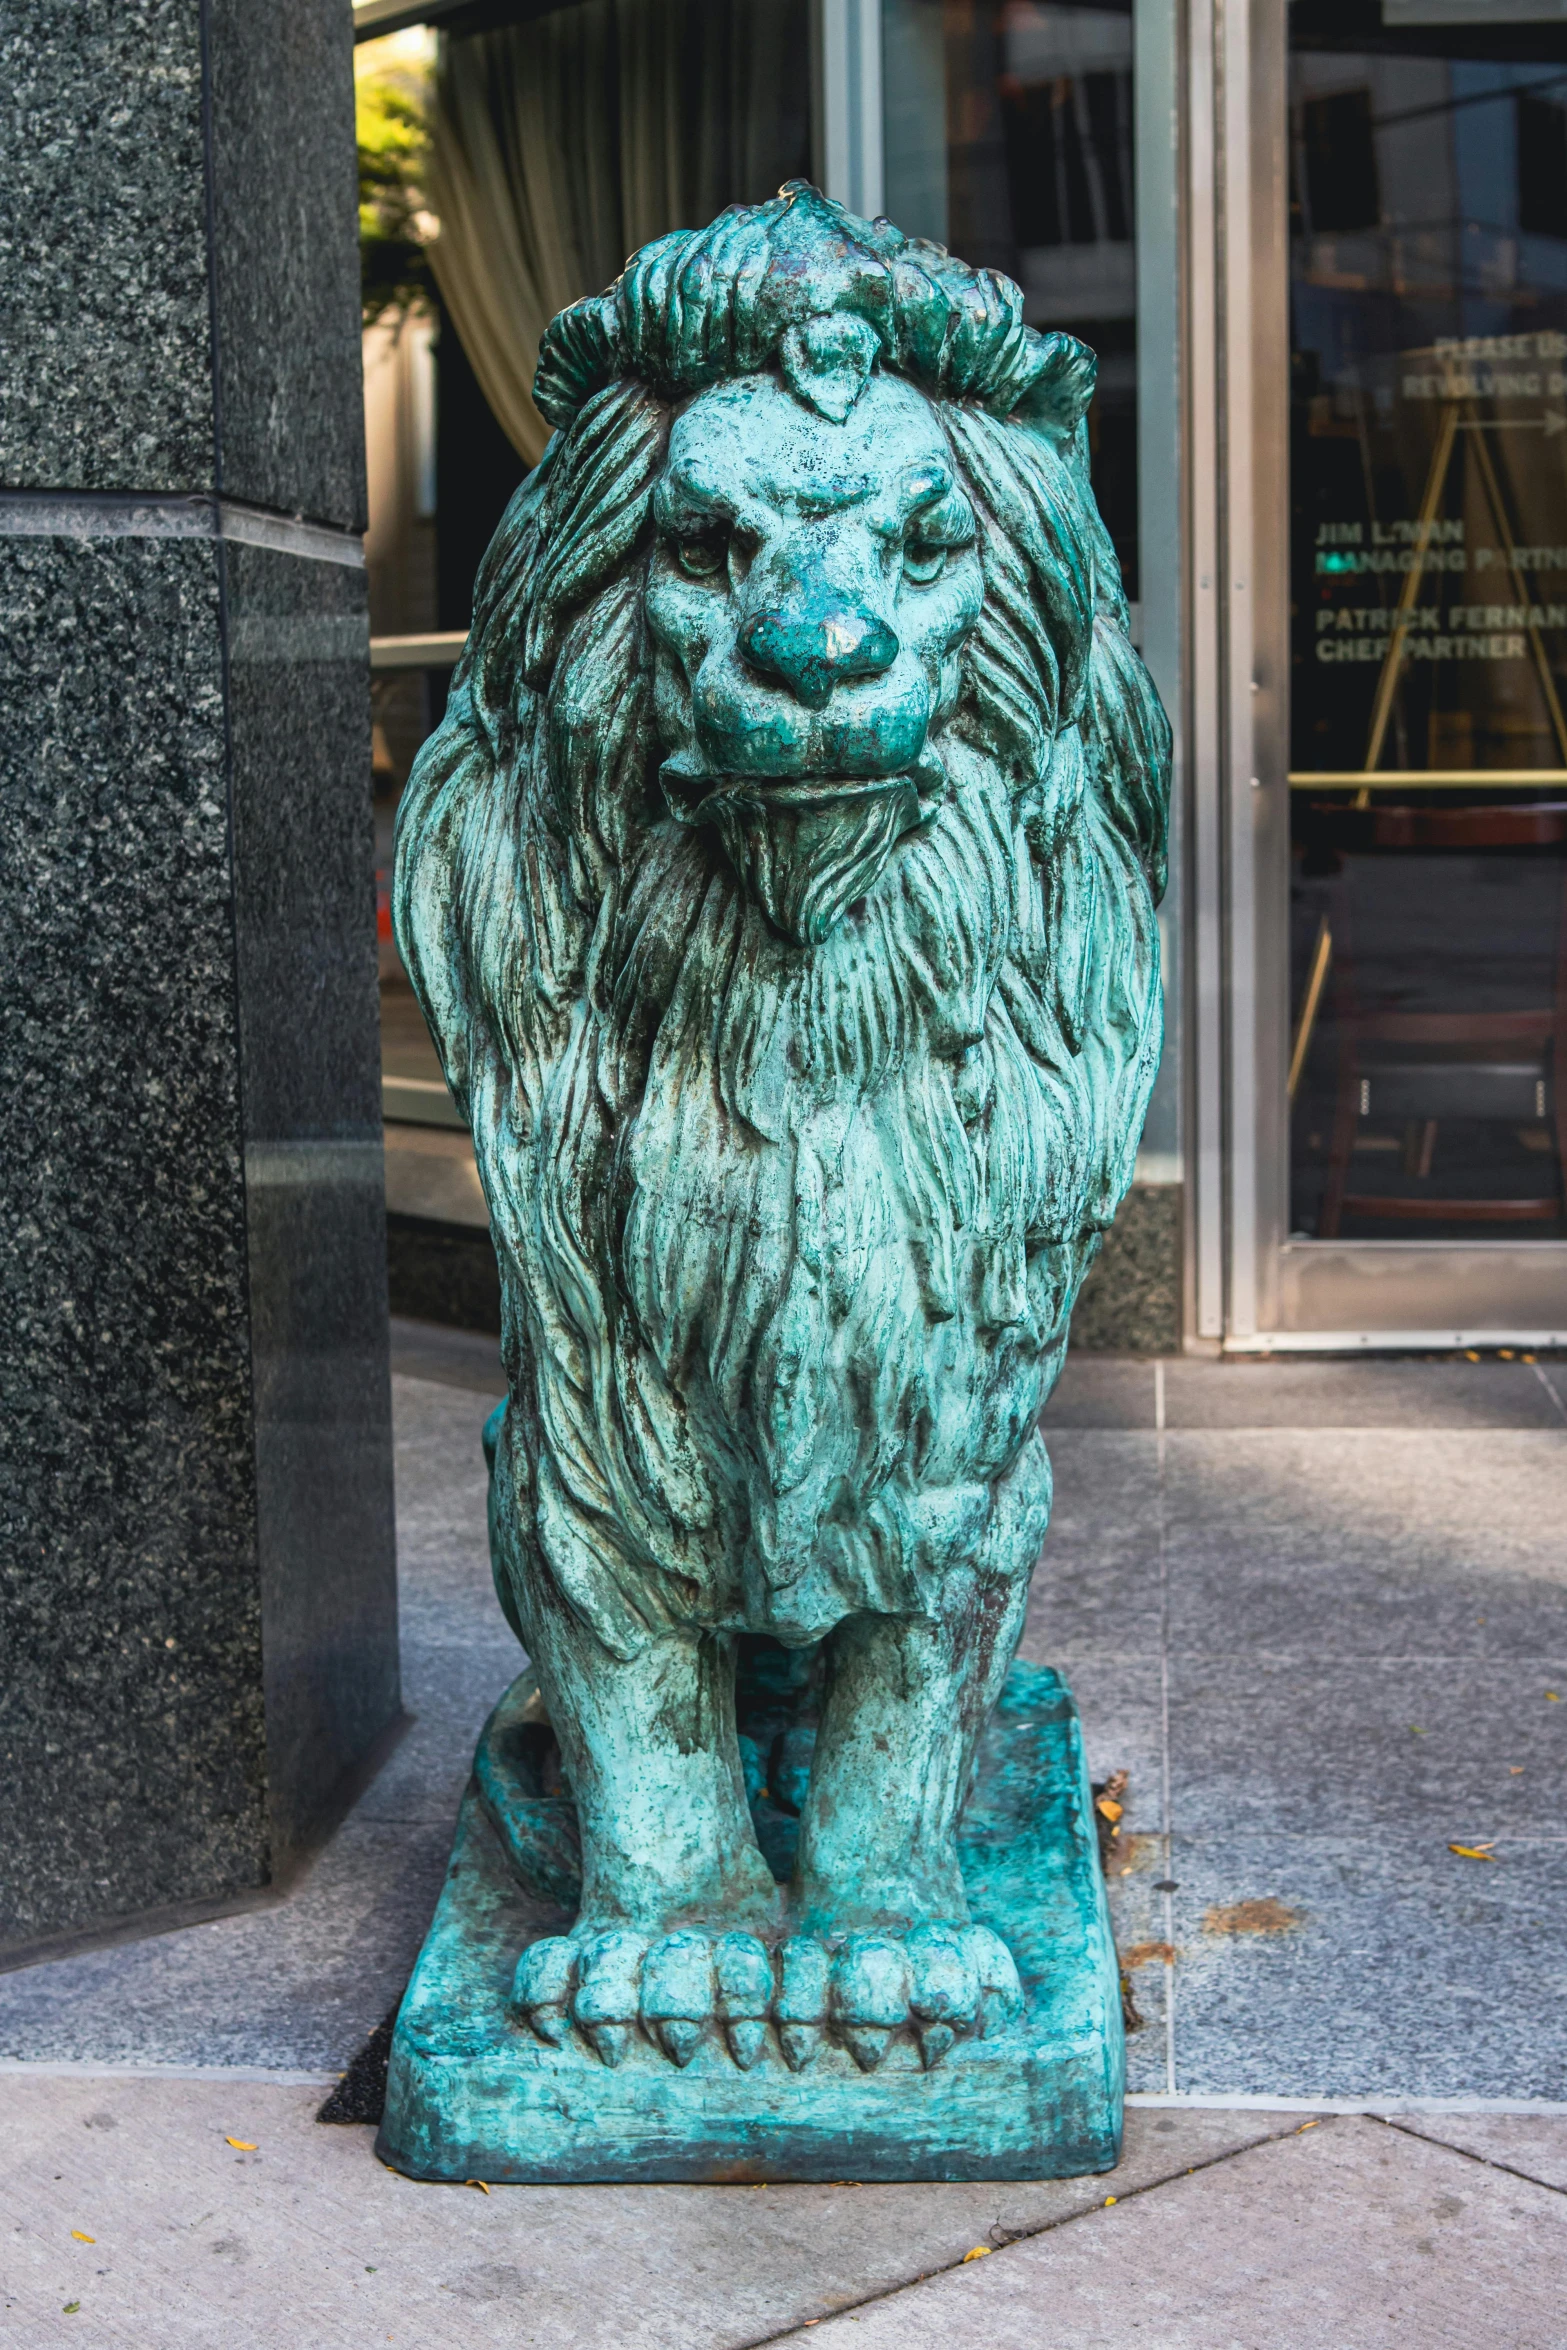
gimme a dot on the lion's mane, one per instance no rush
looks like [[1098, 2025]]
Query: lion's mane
[[789, 1237]]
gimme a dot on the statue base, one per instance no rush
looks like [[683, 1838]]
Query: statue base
[[471, 2094]]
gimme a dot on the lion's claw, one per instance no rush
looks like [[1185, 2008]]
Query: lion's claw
[[945, 1994], [677, 1994], [801, 2005], [940, 1984], [605, 2007], [744, 1969], [546, 1973], [870, 1996]]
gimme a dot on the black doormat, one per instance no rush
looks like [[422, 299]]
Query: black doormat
[[360, 2096]]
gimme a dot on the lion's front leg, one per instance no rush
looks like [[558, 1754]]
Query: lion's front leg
[[906, 1700], [671, 1870], [653, 1763], [877, 1875]]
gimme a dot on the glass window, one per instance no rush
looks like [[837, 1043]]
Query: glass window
[[504, 173], [1008, 138], [1428, 484]]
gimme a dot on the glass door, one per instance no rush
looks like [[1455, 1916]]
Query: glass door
[[1428, 537], [1391, 794]]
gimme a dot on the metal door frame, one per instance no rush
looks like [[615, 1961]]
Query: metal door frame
[[1251, 1288]]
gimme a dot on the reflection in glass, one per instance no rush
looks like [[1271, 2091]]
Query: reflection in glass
[[1009, 140], [1428, 415], [548, 143]]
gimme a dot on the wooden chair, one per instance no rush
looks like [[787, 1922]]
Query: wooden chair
[[1421, 1067]]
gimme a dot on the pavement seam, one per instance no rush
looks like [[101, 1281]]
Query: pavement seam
[[1486, 2161], [1046, 2227], [1549, 1384]]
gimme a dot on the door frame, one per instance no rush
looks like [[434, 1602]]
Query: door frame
[[1253, 1289]]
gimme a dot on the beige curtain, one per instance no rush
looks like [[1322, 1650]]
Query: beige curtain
[[561, 145]]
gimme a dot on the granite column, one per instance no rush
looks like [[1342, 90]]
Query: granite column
[[198, 1636]]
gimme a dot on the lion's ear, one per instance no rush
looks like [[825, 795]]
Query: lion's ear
[[1057, 398]]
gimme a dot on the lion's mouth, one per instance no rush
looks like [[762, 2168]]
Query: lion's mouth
[[806, 846], [696, 794]]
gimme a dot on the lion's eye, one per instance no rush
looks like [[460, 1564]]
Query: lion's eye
[[923, 563], [702, 558]]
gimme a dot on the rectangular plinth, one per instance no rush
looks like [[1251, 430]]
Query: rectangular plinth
[[472, 2095]]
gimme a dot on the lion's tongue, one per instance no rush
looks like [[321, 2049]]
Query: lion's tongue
[[805, 866]]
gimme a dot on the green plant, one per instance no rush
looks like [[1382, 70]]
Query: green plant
[[393, 138]]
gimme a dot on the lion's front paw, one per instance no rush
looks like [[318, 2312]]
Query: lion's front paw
[[678, 1988], [936, 1985], [941, 1983]]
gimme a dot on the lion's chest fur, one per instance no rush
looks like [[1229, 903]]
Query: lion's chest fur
[[813, 1225]]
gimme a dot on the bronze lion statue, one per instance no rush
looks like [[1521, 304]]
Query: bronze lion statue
[[779, 888]]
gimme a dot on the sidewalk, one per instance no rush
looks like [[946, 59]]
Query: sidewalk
[[1313, 1609]]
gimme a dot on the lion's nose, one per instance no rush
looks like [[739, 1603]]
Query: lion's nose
[[812, 651]]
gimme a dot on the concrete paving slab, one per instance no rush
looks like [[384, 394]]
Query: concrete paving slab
[[1097, 1584], [1367, 1966], [443, 1549], [1346, 2236], [1141, 1919], [1099, 1391], [1119, 1700], [1457, 1749], [1535, 2146], [1242, 1391], [299, 2240], [1368, 1542], [294, 1986]]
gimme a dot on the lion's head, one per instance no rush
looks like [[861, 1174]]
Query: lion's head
[[799, 788]]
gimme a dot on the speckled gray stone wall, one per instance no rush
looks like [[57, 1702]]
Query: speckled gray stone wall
[[1131, 1301], [197, 1581], [132, 1738], [105, 309], [287, 279]]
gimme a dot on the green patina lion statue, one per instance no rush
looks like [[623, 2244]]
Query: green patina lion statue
[[779, 888]]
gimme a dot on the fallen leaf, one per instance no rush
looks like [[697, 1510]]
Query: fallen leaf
[[1551, 1697], [1305, 2126], [978, 2253], [1109, 2199], [70, 2306], [1470, 1356], [245, 2145], [1471, 1852], [1108, 1809], [1515, 1770], [1141, 1952], [81, 2239], [1268, 1916], [479, 2183]]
